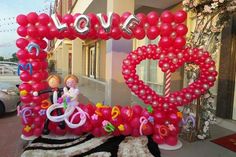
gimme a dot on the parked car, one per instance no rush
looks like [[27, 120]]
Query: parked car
[[9, 97]]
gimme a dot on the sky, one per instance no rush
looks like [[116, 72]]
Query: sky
[[8, 13]]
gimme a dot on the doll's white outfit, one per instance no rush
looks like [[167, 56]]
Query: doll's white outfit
[[73, 93]]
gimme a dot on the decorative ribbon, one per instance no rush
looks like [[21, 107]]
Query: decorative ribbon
[[191, 118], [45, 104], [108, 127], [25, 67], [143, 120], [42, 112], [151, 119], [149, 109], [163, 131], [167, 83], [115, 112], [26, 112], [94, 117], [23, 93], [27, 128], [32, 45], [121, 127], [99, 106]]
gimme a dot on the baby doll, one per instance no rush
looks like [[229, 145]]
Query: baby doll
[[71, 82]]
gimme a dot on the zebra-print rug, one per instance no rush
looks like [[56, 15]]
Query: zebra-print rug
[[90, 146]]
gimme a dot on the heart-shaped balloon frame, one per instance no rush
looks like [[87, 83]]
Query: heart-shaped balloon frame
[[172, 59]]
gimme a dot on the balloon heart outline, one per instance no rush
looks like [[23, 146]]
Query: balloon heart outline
[[169, 59]]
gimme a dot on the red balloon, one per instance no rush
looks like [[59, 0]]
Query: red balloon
[[32, 31], [54, 31], [139, 33], [165, 42], [97, 132], [106, 112], [127, 129], [43, 19], [87, 127], [38, 121], [147, 129], [137, 110], [153, 32], [44, 65], [180, 16], [22, 20], [152, 18], [166, 29], [27, 133], [115, 20], [22, 43], [116, 33], [159, 117], [36, 65], [143, 19], [126, 113], [37, 132], [158, 139], [68, 19], [167, 17], [102, 34], [124, 16], [26, 99], [37, 100], [171, 140], [32, 17], [43, 44], [43, 30], [134, 123], [22, 55], [22, 31], [93, 18], [181, 29], [25, 86], [37, 76], [25, 76], [179, 42]]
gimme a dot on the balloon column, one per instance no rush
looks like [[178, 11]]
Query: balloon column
[[160, 118]]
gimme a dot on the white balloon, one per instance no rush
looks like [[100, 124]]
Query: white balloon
[[58, 24], [129, 23], [106, 25], [78, 27]]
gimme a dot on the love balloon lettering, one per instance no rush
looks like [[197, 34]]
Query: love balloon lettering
[[161, 118]]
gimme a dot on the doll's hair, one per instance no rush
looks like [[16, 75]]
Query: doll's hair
[[71, 76], [55, 77]]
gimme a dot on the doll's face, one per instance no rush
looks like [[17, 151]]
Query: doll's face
[[53, 83], [71, 83]]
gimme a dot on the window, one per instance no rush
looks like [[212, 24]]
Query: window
[[92, 58], [149, 71]]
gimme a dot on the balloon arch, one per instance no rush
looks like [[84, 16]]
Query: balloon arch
[[161, 118]]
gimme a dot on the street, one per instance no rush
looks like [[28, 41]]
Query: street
[[11, 144]]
